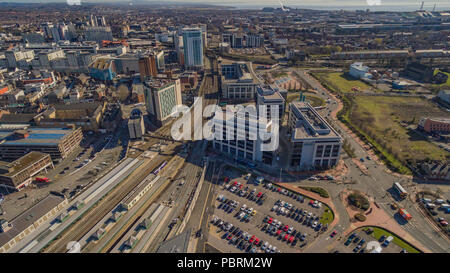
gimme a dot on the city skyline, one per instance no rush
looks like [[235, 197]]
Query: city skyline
[[384, 5]]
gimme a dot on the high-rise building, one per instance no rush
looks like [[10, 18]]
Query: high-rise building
[[204, 35], [147, 67], [98, 34], [270, 95], [46, 28], [161, 96], [160, 63], [193, 47]]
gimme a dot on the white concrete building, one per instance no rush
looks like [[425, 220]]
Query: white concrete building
[[238, 83], [270, 95], [359, 71], [314, 144], [241, 138]]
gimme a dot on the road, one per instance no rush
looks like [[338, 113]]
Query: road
[[203, 207], [379, 179]]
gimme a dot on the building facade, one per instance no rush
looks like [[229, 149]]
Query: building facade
[[57, 142], [161, 96], [435, 125], [238, 83], [244, 141], [314, 144], [18, 174], [193, 48]]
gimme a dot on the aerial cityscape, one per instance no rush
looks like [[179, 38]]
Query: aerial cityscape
[[207, 127]]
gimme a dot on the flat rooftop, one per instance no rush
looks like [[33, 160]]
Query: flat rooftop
[[38, 136], [310, 124], [22, 163], [28, 217], [160, 82], [241, 72], [270, 93]]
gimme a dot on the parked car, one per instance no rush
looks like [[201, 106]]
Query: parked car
[[388, 240]]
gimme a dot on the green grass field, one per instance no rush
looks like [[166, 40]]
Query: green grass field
[[345, 82], [378, 232], [313, 100], [382, 119], [327, 216]]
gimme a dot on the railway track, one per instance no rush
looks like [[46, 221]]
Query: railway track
[[138, 215], [133, 220], [95, 214]]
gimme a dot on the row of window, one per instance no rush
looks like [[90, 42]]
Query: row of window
[[234, 152]]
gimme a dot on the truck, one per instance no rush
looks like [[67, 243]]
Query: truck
[[405, 214]]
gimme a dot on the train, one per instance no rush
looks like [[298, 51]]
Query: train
[[157, 170]]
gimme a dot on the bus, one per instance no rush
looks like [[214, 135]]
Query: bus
[[400, 190], [405, 214], [41, 179]]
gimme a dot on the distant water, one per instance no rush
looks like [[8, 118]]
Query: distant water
[[382, 7]]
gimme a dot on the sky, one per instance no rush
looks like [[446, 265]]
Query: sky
[[332, 4]]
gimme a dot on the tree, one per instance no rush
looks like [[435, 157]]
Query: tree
[[122, 93]]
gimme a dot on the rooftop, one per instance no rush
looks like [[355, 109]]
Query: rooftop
[[270, 93], [237, 72], [36, 136], [310, 124], [27, 218], [22, 163]]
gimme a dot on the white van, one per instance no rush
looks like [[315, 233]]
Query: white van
[[439, 201]]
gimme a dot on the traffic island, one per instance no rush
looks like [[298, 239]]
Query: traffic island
[[378, 218]]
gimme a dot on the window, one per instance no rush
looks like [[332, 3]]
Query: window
[[317, 163], [319, 151], [335, 150]]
